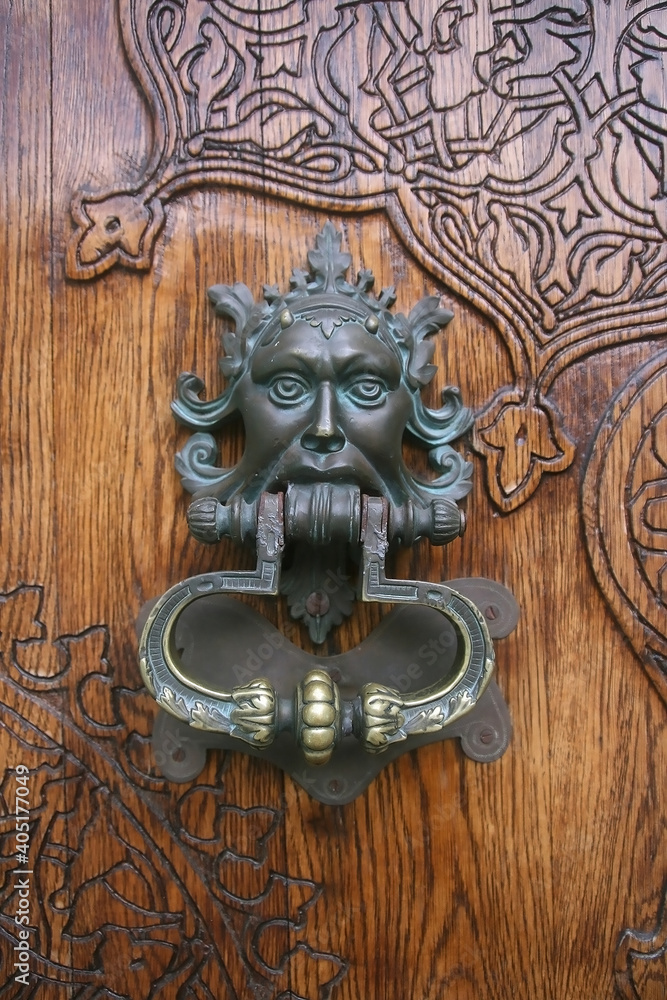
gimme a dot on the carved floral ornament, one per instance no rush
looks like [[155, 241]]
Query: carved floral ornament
[[501, 138], [145, 916], [627, 472]]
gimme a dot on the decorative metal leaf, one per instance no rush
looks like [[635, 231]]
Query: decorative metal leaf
[[329, 264]]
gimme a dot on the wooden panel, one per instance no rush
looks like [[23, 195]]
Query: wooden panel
[[447, 878], [26, 532], [469, 880]]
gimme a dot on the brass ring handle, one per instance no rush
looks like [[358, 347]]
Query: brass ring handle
[[317, 716]]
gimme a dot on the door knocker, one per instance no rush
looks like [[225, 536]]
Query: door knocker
[[327, 380]]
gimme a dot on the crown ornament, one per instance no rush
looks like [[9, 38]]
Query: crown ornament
[[324, 298]]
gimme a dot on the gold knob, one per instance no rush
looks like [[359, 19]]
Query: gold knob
[[318, 716]]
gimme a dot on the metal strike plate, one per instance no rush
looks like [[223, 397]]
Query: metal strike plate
[[327, 380]]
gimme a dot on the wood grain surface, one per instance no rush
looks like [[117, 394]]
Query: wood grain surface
[[447, 879]]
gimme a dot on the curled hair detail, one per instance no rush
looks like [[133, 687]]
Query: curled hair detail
[[323, 298]]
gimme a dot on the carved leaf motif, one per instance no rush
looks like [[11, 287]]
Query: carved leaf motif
[[523, 435], [604, 270], [572, 207], [211, 824], [430, 720], [518, 248], [210, 71], [279, 947], [119, 227], [20, 612], [117, 916]]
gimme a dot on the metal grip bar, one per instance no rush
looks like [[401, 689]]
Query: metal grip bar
[[323, 513]]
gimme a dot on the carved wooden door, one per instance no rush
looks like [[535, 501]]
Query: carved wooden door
[[509, 156]]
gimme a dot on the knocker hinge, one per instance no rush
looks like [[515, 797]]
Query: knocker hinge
[[324, 513]]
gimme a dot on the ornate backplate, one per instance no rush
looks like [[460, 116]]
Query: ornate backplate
[[502, 138]]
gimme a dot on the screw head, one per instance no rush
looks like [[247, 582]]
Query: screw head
[[317, 603]]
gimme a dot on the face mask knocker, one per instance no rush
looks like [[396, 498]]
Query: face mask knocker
[[327, 380]]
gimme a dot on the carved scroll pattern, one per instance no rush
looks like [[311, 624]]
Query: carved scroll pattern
[[624, 504], [519, 151], [641, 959], [137, 892], [625, 513]]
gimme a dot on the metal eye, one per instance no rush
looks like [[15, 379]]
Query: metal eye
[[286, 319], [287, 390], [372, 324], [367, 391]]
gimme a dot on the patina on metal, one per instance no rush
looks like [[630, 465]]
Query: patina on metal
[[315, 714], [327, 380], [412, 648]]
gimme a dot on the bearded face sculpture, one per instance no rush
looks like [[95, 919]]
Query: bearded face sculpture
[[327, 381]]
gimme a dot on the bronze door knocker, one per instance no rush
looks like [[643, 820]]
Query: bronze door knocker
[[327, 380]]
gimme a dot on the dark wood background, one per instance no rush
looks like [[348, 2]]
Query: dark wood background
[[447, 878]]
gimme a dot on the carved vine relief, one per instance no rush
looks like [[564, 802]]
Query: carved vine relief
[[627, 472], [142, 890], [505, 141]]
